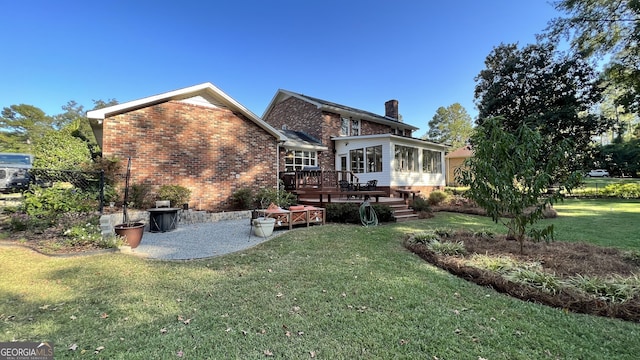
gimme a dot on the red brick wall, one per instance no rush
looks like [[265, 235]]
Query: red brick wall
[[213, 152], [300, 115], [369, 128]]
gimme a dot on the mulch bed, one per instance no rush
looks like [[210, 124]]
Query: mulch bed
[[562, 258]]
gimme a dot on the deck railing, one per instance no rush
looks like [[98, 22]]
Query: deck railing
[[315, 179]]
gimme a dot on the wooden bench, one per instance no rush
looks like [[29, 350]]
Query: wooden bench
[[406, 192], [296, 215]]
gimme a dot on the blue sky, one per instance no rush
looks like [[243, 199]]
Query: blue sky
[[358, 53]]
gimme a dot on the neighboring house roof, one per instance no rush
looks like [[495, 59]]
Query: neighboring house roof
[[302, 140], [463, 152], [337, 108], [205, 94]]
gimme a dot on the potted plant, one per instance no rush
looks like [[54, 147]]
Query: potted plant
[[130, 231], [263, 226]]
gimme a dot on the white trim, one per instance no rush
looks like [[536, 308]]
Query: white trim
[[181, 94]]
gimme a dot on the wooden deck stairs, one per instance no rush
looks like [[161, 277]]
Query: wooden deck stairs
[[402, 211]]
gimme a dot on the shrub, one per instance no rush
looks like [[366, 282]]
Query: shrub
[[22, 221], [622, 190], [484, 234], [349, 213], [83, 234], [60, 198], [176, 194], [384, 213], [612, 290], [546, 282], [110, 193], [453, 190], [111, 167], [419, 204], [59, 149], [447, 248], [425, 237], [343, 213], [445, 233], [500, 264], [243, 198], [436, 197], [140, 196], [282, 198]]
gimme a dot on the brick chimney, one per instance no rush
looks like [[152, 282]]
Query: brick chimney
[[391, 109]]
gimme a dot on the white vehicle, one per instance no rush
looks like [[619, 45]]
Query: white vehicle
[[598, 173], [14, 171]]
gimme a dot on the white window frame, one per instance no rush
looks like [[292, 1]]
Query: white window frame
[[350, 127], [406, 158], [300, 159], [344, 126], [431, 161]]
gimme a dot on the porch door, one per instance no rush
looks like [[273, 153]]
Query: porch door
[[343, 167]]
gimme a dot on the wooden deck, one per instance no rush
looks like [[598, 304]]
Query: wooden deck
[[329, 195]]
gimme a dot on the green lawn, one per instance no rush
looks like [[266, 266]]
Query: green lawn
[[328, 292]]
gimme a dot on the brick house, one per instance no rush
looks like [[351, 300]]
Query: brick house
[[197, 137], [372, 146]]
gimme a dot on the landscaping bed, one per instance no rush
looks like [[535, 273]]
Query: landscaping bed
[[558, 272], [59, 239]]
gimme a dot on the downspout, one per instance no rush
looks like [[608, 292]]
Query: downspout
[[278, 144]]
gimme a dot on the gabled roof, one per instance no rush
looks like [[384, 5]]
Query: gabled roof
[[347, 111], [205, 94], [463, 152], [302, 140]]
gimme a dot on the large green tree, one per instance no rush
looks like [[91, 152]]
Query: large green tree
[[507, 180], [549, 92], [604, 29], [22, 125], [74, 119], [451, 125]]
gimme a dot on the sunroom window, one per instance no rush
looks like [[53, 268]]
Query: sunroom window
[[431, 161], [406, 158]]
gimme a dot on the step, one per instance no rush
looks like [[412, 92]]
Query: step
[[408, 217]]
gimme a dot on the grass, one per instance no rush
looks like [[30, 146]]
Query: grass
[[328, 292], [604, 222]]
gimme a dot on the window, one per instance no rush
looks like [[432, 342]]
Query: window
[[344, 127], [355, 127], [374, 159], [357, 160], [300, 159], [431, 161], [406, 158], [349, 127]]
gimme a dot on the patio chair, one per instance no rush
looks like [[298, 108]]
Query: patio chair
[[371, 185], [345, 185]]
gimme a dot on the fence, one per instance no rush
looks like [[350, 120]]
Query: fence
[[86, 181]]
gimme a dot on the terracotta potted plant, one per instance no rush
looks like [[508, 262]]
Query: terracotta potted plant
[[131, 231]]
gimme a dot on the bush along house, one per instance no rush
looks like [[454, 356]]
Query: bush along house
[[357, 145], [197, 137]]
